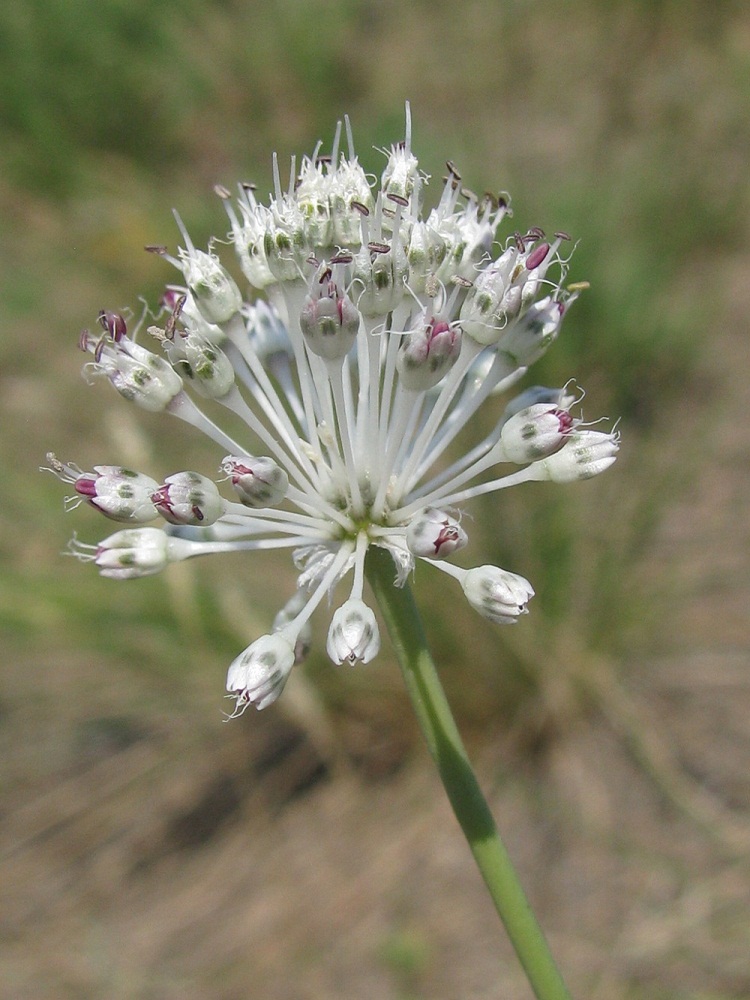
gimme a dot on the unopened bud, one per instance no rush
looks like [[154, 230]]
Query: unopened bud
[[137, 552], [427, 354], [215, 291], [120, 494], [497, 594], [353, 636], [189, 498], [586, 454], [534, 433], [258, 675], [259, 482], [434, 534], [329, 322]]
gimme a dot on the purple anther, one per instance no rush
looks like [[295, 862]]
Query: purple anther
[[85, 486], [397, 199], [113, 323], [536, 256], [378, 248], [359, 207]]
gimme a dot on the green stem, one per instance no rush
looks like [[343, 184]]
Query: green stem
[[472, 812]]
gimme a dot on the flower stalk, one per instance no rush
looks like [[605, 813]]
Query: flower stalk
[[444, 742]]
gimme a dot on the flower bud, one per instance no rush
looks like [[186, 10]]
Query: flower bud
[[526, 340], [329, 321], [586, 454], [434, 534], [349, 188], [285, 242], [259, 482], [353, 635], [312, 193], [381, 273], [138, 375], [207, 367], [427, 354], [534, 433], [120, 494], [497, 594], [215, 291], [137, 552], [258, 675], [426, 251], [401, 173], [189, 498]]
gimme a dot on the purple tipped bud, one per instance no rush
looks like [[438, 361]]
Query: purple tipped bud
[[329, 322], [120, 494], [189, 498], [534, 432], [259, 482], [434, 534], [428, 353]]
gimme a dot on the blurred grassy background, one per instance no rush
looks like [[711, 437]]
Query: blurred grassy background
[[147, 846]]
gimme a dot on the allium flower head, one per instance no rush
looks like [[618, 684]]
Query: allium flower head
[[367, 338]]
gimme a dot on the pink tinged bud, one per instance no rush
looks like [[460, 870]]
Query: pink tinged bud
[[258, 675], [137, 552], [428, 354], [215, 292], [189, 498], [329, 324], [433, 534], [586, 454], [353, 636], [259, 482], [497, 594], [120, 494], [534, 433]]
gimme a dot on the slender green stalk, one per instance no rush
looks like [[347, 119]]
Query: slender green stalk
[[444, 741]]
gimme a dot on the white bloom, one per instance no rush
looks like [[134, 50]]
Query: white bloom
[[353, 635], [382, 334]]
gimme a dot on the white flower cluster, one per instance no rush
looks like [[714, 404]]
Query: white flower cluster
[[381, 332]]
